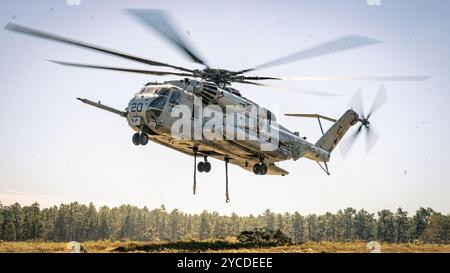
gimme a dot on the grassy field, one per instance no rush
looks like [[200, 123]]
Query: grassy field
[[217, 246]]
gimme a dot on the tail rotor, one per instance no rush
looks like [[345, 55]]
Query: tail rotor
[[356, 103]]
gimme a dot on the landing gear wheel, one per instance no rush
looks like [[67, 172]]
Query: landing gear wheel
[[201, 166], [143, 139], [257, 169], [135, 139], [263, 169], [207, 167]]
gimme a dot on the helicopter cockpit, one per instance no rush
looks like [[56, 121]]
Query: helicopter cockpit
[[156, 98]]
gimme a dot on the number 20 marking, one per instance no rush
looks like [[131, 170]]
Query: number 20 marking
[[136, 107]]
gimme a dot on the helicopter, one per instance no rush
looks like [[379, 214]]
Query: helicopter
[[155, 109]]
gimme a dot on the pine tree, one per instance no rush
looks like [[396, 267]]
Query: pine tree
[[364, 224], [9, 228], [104, 224], [2, 218], [174, 230], [437, 230], [270, 219], [81, 222], [91, 223], [311, 227], [298, 228], [401, 225], [420, 221], [348, 216], [203, 231], [18, 220], [49, 216], [327, 227], [386, 226], [235, 224]]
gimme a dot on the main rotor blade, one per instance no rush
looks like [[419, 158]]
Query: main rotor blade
[[362, 78], [380, 99], [356, 102], [256, 78], [316, 93], [253, 83], [334, 46], [312, 93], [57, 38], [147, 72], [160, 22]]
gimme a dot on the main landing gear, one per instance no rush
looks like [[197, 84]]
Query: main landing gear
[[205, 166], [260, 169], [140, 139]]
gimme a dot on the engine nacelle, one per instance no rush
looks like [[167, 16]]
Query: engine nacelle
[[211, 92], [208, 91]]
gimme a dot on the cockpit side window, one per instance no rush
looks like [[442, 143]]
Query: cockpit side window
[[152, 114], [158, 103], [175, 97], [271, 117]]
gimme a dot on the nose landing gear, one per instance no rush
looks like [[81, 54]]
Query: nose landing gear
[[140, 139]]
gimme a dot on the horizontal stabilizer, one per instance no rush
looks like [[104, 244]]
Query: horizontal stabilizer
[[311, 116]]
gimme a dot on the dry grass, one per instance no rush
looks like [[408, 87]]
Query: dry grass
[[186, 246], [331, 247]]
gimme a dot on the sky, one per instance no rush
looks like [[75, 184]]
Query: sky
[[55, 149]]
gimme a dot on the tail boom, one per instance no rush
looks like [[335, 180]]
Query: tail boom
[[332, 137]]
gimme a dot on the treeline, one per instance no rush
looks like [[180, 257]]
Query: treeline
[[80, 222]]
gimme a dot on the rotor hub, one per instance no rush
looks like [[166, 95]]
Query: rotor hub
[[365, 122]]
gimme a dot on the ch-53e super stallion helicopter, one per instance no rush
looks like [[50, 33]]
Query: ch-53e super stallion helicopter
[[149, 111]]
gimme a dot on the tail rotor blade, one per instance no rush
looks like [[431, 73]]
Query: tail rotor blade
[[347, 143], [371, 134], [380, 99], [371, 139], [356, 102]]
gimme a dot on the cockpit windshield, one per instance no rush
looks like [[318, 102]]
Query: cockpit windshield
[[148, 90], [159, 90], [164, 91], [155, 107]]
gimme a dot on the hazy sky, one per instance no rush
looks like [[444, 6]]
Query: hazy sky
[[55, 149]]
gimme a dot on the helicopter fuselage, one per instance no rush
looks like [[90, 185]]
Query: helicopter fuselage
[[152, 111]]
